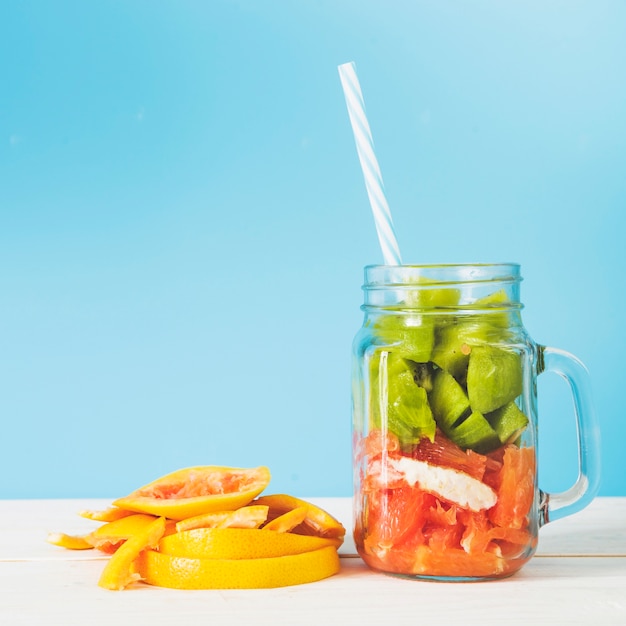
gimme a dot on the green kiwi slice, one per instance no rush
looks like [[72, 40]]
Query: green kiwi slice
[[493, 301], [494, 378], [476, 433], [452, 349], [455, 340], [432, 297], [508, 421], [448, 401], [407, 410], [410, 336]]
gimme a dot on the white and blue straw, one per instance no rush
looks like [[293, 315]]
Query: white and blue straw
[[369, 164]]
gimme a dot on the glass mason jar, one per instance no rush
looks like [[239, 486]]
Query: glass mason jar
[[445, 424]]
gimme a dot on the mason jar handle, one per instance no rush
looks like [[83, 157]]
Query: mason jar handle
[[557, 505]]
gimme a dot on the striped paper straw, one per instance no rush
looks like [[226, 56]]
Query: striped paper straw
[[369, 164]]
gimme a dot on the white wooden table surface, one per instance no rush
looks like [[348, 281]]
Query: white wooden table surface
[[577, 577]]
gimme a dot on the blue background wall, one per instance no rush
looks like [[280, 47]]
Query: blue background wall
[[183, 220]]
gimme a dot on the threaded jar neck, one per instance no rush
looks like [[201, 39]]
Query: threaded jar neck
[[474, 287]]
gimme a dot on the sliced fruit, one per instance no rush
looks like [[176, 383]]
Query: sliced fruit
[[120, 571], [177, 572], [448, 401], [405, 530], [110, 536], [508, 421], [494, 378], [409, 415], [375, 443], [476, 433], [452, 348], [408, 336], [234, 553], [432, 296], [394, 516], [454, 341], [206, 520], [516, 489], [244, 517], [197, 490], [70, 542], [498, 304], [106, 515], [288, 521], [451, 408], [456, 562], [238, 543], [317, 521], [444, 452]]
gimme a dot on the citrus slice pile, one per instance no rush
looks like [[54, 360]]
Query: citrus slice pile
[[205, 528]]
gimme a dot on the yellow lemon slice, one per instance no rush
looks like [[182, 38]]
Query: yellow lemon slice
[[120, 570], [166, 570], [197, 490], [238, 543]]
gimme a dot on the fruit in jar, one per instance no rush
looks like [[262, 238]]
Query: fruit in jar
[[475, 433], [494, 378], [412, 337], [448, 401], [454, 501], [468, 389], [399, 400], [508, 421], [459, 527]]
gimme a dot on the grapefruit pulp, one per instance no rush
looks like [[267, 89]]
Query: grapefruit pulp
[[404, 530], [197, 490]]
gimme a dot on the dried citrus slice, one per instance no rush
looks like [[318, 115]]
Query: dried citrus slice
[[245, 517], [71, 542], [317, 521], [197, 490], [120, 570], [166, 570], [238, 543], [109, 537]]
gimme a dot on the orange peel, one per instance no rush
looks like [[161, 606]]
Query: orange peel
[[70, 542], [120, 571], [245, 517], [110, 536], [238, 543], [206, 527], [316, 522], [196, 490], [166, 570], [288, 521], [110, 514]]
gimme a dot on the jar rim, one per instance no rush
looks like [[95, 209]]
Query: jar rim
[[442, 273]]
